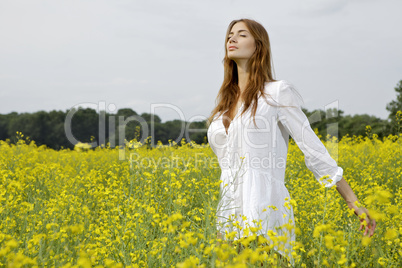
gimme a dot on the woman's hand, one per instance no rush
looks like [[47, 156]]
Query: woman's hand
[[371, 224], [347, 193]]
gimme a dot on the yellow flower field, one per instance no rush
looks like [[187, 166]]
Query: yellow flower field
[[156, 207]]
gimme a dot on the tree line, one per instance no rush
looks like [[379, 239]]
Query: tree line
[[100, 128]]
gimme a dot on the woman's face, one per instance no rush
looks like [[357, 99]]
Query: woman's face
[[240, 44]]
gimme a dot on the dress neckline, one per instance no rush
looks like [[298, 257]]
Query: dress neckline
[[234, 118]]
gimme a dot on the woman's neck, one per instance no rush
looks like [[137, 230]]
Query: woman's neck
[[243, 75]]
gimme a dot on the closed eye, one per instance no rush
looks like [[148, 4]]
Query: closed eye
[[242, 35]]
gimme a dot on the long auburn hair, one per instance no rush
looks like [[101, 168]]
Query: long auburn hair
[[260, 68]]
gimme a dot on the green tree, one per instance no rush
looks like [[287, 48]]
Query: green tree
[[326, 122], [124, 119], [394, 106], [356, 125], [85, 124], [4, 125], [55, 135], [199, 131], [173, 130]]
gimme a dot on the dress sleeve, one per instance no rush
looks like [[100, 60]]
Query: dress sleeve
[[295, 122]]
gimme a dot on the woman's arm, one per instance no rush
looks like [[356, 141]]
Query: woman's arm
[[347, 193], [316, 156], [295, 122]]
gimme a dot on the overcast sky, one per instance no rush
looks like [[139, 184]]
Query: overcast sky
[[55, 55]]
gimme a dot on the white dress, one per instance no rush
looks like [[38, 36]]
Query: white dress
[[252, 159]]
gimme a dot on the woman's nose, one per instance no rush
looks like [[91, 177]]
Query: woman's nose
[[231, 39]]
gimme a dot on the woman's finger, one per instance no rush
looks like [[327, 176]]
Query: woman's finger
[[370, 225], [365, 227], [369, 228], [373, 228]]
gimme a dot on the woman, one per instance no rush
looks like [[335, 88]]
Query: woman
[[249, 132]]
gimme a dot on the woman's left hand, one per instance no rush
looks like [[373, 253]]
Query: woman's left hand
[[371, 224]]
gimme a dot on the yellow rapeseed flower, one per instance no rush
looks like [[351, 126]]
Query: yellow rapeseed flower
[[366, 241], [391, 234]]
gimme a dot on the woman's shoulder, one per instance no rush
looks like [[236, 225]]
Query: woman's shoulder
[[275, 88], [278, 84], [282, 91]]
